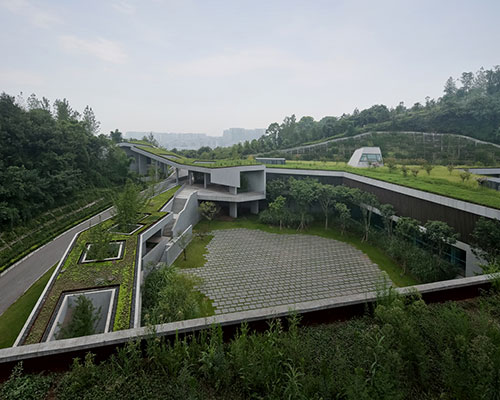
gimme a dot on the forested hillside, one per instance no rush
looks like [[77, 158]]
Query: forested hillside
[[47, 154], [469, 106]]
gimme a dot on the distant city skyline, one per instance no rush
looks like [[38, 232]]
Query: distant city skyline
[[195, 66]]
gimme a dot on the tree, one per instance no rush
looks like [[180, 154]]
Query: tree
[[128, 206], [450, 168], [404, 170], [326, 198], [275, 188], [440, 234], [208, 210], [428, 168], [90, 122], [486, 239], [278, 209], [116, 136], [465, 175], [415, 171], [387, 212], [391, 164], [408, 228], [450, 87], [304, 193], [366, 203], [83, 321], [344, 215], [100, 239], [63, 111]]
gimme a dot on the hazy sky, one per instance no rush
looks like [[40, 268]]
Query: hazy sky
[[203, 66]]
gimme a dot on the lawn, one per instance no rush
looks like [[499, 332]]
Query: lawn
[[14, 318], [440, 181], [191, 161], [196, 248]]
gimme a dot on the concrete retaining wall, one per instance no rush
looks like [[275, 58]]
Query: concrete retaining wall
[[175, 246]]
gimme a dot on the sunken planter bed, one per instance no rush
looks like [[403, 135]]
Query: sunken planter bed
[[79, 273]]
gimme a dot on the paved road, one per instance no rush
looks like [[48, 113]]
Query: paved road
[[251, 269], [19, 278]]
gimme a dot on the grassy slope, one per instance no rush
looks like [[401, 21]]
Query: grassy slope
[[13, 319], [197, 249], [439, 181]]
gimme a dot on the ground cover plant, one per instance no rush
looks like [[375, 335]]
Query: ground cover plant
[[74, 276], [13, 319], [440, 181], [403, 348], [83, 321], [190, 161]]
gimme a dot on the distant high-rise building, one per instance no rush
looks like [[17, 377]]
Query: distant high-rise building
[[187, 141]]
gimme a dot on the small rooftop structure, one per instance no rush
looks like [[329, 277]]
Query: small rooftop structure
[[268, 160], [366, 157]]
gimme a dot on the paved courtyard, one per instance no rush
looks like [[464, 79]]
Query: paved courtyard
[[250, 269]]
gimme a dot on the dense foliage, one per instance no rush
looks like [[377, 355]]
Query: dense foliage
[[46, 157], [405, 349], [169, 295]]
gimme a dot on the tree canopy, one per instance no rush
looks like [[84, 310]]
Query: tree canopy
[[47, 155]]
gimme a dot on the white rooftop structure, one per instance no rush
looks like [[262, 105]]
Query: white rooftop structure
[[366, 157]]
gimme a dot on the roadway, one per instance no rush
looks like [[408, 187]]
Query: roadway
[[17, 279]]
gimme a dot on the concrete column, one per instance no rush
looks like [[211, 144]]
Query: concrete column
[[233, 190], [177, 176], [143, 166], [205, 180], [190, 178], [254, 207], [233, 210]]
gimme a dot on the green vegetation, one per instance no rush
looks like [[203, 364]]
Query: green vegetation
[[169, 295], [23, 239], [195, 252], [83, 321], [440, 181], [195, 162], [128, 206], [401, 349], [100, 273], [14, 318], [46, 158]]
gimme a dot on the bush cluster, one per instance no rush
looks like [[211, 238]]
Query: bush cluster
[[405, 349]]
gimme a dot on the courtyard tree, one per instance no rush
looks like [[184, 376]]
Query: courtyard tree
[[304, 192], [366, 203], [440, 234], [128, 206], [344, 215], [208, 210], [275, 188], [387, 212], [486, 239], [83, 321], [278, 209], [407, 228], [326, 199]]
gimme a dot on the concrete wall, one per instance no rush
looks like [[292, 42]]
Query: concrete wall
[[189, 215], [176, 245], [256, 181], [225, 176]]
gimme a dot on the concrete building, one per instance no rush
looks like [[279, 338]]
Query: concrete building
[[239, 186], [366, 157]]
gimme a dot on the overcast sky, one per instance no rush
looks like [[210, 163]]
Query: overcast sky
[[204, 66]]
